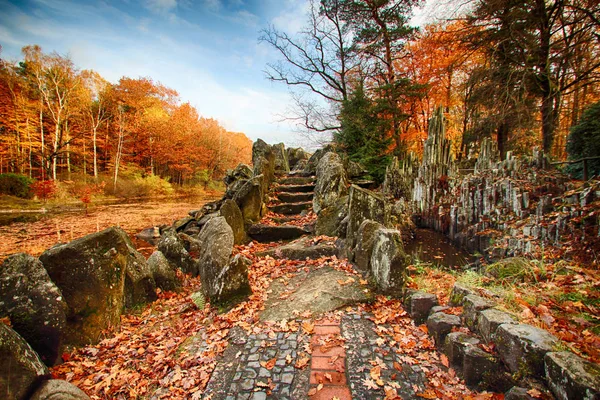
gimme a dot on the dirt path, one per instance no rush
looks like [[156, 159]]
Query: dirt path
[[35, 237]]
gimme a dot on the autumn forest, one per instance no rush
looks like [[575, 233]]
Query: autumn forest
[[59, 122]]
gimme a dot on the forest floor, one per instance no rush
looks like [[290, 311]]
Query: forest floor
[[39, 231]]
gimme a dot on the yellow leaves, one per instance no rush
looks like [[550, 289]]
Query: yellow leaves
[[348, 281], [308, 327], [444, 360], [428, 394], [375, 374], [315, 390], [269, 364], [302, 361]]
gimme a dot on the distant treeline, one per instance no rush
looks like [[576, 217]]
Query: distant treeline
[[56, 120]]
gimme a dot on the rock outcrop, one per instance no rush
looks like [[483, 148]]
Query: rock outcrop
[[233, 215], [173, 248], [365, 241], [21, 369], [364, 204], [34, 304], [55, 389], [332, 182], [388, 260], [163, 272], [224, 280], [90, 272]]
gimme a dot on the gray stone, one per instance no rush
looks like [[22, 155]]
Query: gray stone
[[296, 156], [140, 287], [332, 182], [242, 171], [317, 291], [456, 343], [250, 198], [570, 377], [55, 389], [437, 309], [313, 161], [472, 305], [489, 320], [21, 368], [518, 393], [90, 272], [287, 378], [282, 165], [459, 292], [163, 272], [233, 215], [388, 260], [224, 281], [418, 305], [301, 249], [440, 324], [365, 241], [273, 233], [364, 204], [173, 248], [523, 347], [330, 218], [480, 369], [34, 304]]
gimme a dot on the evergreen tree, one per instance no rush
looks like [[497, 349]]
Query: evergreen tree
[[584, 141], [363, 134]]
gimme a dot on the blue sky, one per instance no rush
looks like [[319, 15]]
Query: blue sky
[[207, 50]]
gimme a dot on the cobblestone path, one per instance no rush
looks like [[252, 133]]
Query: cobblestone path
[[341, 357]]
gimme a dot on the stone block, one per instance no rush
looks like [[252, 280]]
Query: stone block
[[522, 347], [480, 369], [571, 377], [518, 393], [419, 304], [440, 324], [456, 343], [472, 305], [489, 320], [459, 292]]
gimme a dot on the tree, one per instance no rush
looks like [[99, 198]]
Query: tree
[[320, 62], [56, 81], [584, 141], [381, 32], [97, 107], [361, 130], [536, 43]]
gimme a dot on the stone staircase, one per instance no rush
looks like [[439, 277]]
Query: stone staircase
[[293, 199]]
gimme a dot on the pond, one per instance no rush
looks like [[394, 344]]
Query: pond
[[432, 247]]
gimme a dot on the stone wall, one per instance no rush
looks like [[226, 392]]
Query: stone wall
[[516, 206]]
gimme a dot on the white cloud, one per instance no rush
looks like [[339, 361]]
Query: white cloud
[[213, 5], [293, 18], [160, 6]]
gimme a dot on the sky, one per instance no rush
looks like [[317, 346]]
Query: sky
[[207, 50]]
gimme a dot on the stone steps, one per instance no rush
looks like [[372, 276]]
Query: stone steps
[[270, 233], [301, 249], [297, 180], [291, 208], [286, 197], [295, 188]]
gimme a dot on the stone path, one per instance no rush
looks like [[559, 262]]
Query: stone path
[[335, 358]]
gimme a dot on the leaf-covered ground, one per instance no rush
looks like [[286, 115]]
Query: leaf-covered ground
[[145, 357]]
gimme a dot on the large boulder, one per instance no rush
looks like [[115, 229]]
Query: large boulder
[[522, 348], [90, 272], [329, 221], [20, 369], [365, 241], [34, 304], [313, 161], [282, 165], [222, 281], [388, 260], [140, 287], [297, 157], [332, 182], [173, 248], [163, 272], [233, 215], [260, 148], [571, 377], [364, 204], [56, 389], [242, 171], [266, 170], [250, 199]]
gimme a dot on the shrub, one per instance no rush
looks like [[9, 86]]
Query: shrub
[[44, 190], [584, 141], [16, 185]]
